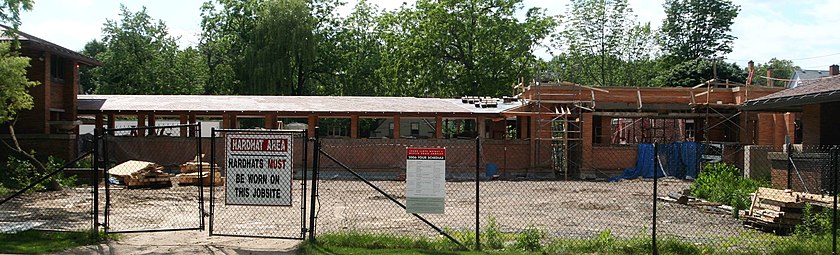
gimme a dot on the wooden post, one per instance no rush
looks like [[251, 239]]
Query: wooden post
[[438, 127], [354, 126], [271, 121], [152, 124], [99, 122], [396, 127], [481, 126], [184, 120], [312, 122], [141, 122]]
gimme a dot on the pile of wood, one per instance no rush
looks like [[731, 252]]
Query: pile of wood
[[779, 211], [135, 173], [190, 176]]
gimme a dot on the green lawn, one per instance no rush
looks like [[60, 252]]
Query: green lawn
[[38, 242]]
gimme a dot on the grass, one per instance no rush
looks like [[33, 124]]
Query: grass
[[39, 242], [604, 243]]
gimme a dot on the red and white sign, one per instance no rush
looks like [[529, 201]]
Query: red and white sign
[[259, 169], [425, 180]]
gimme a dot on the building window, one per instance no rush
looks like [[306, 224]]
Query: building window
[[57, 68], [415, 129]]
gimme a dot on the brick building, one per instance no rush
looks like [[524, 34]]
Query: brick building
[[50, 127]]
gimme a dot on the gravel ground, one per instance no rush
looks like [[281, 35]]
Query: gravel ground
[[569, 209]]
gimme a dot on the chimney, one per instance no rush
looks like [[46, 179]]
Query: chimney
[[750, 72], [833, 70], [769, 76]]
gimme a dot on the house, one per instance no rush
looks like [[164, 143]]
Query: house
[[50, 127], [815, 99]]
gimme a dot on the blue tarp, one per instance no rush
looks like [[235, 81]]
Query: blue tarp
[[679, 159]]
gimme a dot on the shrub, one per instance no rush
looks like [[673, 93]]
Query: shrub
[[20, 174], [529, 240], [815, 222], [722, 183], [492, 236]]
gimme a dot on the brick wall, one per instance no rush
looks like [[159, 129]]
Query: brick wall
[[811, 131]]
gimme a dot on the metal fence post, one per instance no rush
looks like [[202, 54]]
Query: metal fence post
[[201, 212], [212, 177], [303, 175], [655, 183], [477, 193], [315, 169], [106, 180], [95, 181], [789, 148], [833, 170]]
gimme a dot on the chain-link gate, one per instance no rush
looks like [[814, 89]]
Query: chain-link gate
[[154, 180], [259, 183]]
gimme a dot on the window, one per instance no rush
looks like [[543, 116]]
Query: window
[[57, 68], [415, 129]]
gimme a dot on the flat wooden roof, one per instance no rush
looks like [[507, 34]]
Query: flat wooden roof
[[292, 105]]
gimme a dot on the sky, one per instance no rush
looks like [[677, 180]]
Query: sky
[[803, 31]]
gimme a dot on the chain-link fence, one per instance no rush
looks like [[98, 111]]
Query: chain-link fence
[[153, 182], [254, 171], [362, 187], [717, 197], [57, 200]]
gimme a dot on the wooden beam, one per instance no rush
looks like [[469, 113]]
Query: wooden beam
[[312, 122], [396, 133], [438, 127], [184, 119], [354, 126]]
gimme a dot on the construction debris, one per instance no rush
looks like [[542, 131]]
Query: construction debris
[[776, 211], [135, 173], [190, 174]]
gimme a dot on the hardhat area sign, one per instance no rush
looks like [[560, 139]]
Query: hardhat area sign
[[425, 180], [259, 169]]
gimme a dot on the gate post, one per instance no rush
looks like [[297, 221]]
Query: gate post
[[95, 182], [212, 176], [315, 169], [305, 153]]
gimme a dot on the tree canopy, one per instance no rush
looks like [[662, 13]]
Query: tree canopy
[[140, 57], [14, 92]]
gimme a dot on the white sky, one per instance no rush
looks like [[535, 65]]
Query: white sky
[[804, 31]]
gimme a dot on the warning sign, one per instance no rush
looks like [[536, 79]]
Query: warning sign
[[425, 180], [259, 169]]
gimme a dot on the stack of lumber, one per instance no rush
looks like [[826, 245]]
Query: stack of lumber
[[135, 173], [774, 210], [190, 176]]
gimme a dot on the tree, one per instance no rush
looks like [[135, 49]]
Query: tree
[[271, 47], [697, 71], [281, 49], [696, 29], [226, 27], [356, 53], [782, 69], [15, 86], [141, 58], [10, 12], [458, 47], [604, 45], [89, 77]]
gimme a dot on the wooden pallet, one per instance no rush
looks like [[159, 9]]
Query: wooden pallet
[[148, 182]]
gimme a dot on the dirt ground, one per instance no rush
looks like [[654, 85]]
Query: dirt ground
[[567, 209], [188, 242]]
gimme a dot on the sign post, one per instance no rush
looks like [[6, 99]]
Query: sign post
[[259, 169], [425, 180]]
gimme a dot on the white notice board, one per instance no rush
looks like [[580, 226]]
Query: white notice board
[[425, 180], [259, 169]]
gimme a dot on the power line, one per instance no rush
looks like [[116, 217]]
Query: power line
[[829, 55]]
